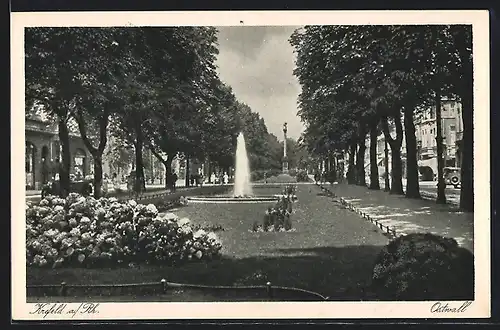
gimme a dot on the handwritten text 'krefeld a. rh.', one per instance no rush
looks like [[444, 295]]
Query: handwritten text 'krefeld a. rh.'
[[61, 309]]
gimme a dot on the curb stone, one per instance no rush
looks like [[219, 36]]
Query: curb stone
[[389, 230]]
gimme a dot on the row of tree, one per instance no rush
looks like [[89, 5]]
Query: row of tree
[[154, 88], [361, 80]]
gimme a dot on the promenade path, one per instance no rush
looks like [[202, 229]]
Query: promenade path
[[409, 215]]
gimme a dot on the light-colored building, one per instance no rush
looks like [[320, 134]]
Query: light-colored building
[[43, 152], [426, 131]]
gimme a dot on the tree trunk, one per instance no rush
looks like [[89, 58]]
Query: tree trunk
[[467, 165], [139, 166], [374, 176], [65, 158], [412, 184], [441, 196], [395, 144], [95, 152], [397, 172], [168, 170], [387, 181], [350, 171], [188, 176], [97, 176], [360, 161]]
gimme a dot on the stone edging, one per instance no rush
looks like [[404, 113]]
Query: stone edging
[[391, 231]]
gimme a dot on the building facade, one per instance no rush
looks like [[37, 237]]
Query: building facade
[[426, 132], [43, 153], [451, 127]]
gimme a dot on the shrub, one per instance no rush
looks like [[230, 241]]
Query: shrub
[[423, 267], [88, 232], [256, 175], [302, 176]]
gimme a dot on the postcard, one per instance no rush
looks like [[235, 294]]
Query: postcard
[[250, 165]]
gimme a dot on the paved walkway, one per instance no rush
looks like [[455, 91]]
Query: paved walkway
[[409, 215]]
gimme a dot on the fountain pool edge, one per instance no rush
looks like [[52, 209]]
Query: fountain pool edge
[[235, 200]]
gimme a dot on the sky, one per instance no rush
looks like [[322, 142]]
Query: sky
[[258, 63]]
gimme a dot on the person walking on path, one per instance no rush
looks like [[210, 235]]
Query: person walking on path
[[316, 177], [174, 181]]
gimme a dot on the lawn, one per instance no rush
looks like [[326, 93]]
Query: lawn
[[331, 252]]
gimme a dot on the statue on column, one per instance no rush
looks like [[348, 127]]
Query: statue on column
[[285, 159]]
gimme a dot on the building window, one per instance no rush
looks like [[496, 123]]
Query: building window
[[79, 162], [29, 166], [57, 150]]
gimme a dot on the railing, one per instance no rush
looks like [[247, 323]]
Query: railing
[[162, 287]]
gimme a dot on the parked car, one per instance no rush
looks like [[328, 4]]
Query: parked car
[[53, 187], [452, 176]]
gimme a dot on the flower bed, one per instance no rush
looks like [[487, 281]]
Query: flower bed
[[278, 217], [88, 232], [165, 205]]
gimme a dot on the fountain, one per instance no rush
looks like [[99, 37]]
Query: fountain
[[242, 187], [242, 190]]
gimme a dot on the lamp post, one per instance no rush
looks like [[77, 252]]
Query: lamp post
[[285, 160]]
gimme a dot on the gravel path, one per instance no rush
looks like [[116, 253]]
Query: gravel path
[[410, 215]]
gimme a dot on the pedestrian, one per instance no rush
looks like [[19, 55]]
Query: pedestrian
[[226, 178], [174, 181], [316, 177], [212, 178], [115, 182]]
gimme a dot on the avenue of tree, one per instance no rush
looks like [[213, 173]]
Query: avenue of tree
[[153, 88], [364, 80]]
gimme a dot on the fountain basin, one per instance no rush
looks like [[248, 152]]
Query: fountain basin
[[228, 199]]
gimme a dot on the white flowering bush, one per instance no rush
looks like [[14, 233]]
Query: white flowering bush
[[87, 231]]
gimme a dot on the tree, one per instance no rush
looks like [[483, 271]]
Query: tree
[[118, 154], [98, 67], [459, 66], [169, 65], [50, 82], [386, 74]]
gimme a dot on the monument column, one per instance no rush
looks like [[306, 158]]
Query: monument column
[[285, 159]]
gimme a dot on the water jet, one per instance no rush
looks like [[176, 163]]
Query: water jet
[[242, 188]]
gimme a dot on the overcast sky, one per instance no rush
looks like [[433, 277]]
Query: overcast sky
[[258, 63]]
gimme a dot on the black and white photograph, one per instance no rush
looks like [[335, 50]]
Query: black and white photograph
[[272, 164]]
